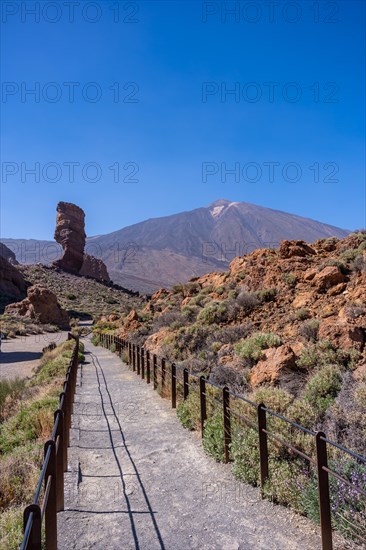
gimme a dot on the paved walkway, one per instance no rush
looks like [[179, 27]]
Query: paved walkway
[[19, 356], [138, 480]]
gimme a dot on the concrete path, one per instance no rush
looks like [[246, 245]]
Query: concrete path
[[138, 480], [19, 356]]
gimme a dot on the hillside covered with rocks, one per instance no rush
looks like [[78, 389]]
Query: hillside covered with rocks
[[290, 322]]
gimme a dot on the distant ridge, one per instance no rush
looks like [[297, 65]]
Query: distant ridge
[[162, 251]]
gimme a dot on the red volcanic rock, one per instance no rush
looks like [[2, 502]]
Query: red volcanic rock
[[275, 363], [343, 334], [11, 280], [70, 234], [41, 305], [330, 276], [295, 248], [95, 268]]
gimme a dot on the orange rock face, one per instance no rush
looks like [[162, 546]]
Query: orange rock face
[[330, 276], [295, 248], [276, 363], [41, 305]]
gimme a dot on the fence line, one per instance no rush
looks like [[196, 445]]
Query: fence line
[[54, 467], [140, 361]]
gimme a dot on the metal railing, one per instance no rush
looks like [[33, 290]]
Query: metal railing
[[155, 369], [54, 467]]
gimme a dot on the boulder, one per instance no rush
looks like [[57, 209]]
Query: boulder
[[288, 249], [342, 333], [329, 276], [41, 305], [70, 234], [94, 268], [276, 362], [12, 281]]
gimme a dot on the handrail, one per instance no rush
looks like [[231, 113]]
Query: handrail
[[54, 466], [136, 352]]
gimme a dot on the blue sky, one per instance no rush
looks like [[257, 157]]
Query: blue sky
[[172, 131]]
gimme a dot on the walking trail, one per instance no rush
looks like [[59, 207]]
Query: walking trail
[[19, 356], [138, 480]]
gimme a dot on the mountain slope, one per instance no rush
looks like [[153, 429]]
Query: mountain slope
[[162, 251]]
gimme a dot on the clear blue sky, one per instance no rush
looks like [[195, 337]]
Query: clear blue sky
[[169, 50]]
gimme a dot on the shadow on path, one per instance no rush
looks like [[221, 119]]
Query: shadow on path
[[102, 379]]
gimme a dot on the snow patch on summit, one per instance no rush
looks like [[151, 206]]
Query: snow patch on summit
[[216, 211]]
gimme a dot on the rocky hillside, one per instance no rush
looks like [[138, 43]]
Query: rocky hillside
[[80, 296], [293, 320], [163, 251]]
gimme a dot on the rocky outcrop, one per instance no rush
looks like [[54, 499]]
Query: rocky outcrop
[[70, 234], [275, 364], [329, 276], [94, 268], [288, 249], [12, 281], [342, 333], [8, 254], [41, 305]]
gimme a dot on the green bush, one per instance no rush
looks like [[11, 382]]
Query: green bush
[[285, 483], [289, 278], [10, 388], [267, 294], [323, 387], [245, 454], [11, 528], [251, 348], [347, 505], [189, 412], [95, 340], [214, 312], [213, 439]]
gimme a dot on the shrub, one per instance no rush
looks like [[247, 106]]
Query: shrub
[[95, 340], [250, 349], [189, 412], [168, 318], [347, 505], [310, 329], [267, 294], [323, 353], [11, 528], [322, 388], [243, 303], [214, 312], [10, 389], [359, 263], [245, 454], [213, 439], [289, 278], [285, 483], [301, 314]]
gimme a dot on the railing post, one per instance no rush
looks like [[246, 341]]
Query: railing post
[[148, 367], [323, 492], [174, 385], [263, 444], [203, 403], [133, 357], [138, 357], [227, 422], [64, 430], [163, 372], [185, 383], [130, 354], [142, 363], [51, 507], [35, 537], [155, 368], [59, 440]]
